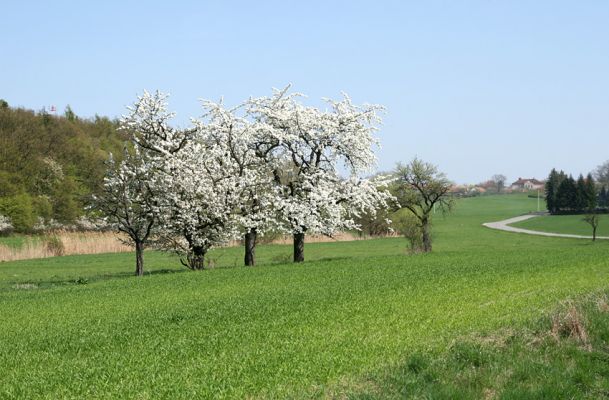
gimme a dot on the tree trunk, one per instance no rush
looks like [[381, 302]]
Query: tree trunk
[[250, 247], [594, 233], [299, 239], [139, 259], [196, 259], [426, 237]]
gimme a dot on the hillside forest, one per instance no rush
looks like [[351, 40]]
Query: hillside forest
[[51, 166]]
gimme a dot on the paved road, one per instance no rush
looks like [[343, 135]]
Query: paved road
[[504, 226]]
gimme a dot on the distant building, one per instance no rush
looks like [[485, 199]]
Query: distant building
[[527, 184]]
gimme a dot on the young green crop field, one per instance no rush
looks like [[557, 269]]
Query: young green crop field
[[82, 327], [571, 224]]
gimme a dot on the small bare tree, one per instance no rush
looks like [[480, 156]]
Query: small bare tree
[[126, 201], [421, 188], [601, 174], [592, 220], [499, 181]]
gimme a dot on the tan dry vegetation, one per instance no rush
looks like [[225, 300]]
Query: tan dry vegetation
[[64, 243], [340, 237], [570, 323], [60, 243]]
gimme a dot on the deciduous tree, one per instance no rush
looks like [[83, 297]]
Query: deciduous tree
[[499, 181], [192, 186], [601, 174], [305, 147], [592, 220], [128, 203], [232, 138], [420, 187]]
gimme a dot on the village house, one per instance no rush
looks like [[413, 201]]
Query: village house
[[527, 184]]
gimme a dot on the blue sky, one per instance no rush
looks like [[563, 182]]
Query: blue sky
[[477, 87]]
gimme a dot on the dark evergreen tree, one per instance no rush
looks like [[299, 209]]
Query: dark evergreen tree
[[566, 195], [550, 189], [590, 193], [581, 202], [602, 197]]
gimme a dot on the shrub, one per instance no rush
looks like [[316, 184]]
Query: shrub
[[6, 227], [54, 245], [20, 211], [408, 226], [66, 207], [42, 207]]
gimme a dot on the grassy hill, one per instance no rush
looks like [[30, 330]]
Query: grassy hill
[[80, 327]]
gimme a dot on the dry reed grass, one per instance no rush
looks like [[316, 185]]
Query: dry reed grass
[[569, 323], [339, 237], [64, 243], [61, 243]]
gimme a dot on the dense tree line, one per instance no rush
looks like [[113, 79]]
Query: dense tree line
[[564, 194], [50, 166]]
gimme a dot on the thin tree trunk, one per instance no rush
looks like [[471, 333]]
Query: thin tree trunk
[[594, 233], [197, 258], [299, 239], [139, 258], [426, 237], [250, 247]]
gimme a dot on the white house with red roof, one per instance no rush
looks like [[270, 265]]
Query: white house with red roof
[[527, 184]]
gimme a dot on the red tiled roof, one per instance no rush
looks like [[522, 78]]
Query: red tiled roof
[[522, 181]]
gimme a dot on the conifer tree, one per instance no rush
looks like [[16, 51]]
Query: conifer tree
[[550, 189], [566, 194], [590, 193], [602, 197], [581, 201]]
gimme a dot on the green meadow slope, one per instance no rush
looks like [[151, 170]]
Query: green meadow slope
[[81, 327], [571, 224]]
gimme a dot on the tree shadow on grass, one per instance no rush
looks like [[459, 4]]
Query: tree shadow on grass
[[57, 281]]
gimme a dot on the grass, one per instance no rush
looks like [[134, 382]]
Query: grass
[[571, 224], [563, 355], [14, 241], [79, 327]]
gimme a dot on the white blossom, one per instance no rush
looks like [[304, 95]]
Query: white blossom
[[5, 224], [270, 163], [311, 145]]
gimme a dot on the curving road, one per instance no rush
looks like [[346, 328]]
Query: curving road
[[504, 226]]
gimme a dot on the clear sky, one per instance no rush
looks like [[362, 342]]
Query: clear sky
[[477, 87]]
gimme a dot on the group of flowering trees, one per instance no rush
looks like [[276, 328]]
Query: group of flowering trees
[[269, 164]]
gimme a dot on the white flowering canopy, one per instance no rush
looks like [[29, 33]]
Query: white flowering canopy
[[311, 145], [208, 182], [189, 176], [248, 178], [270, 163], [126, 198]]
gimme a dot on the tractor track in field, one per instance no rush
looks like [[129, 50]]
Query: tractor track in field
[[504, 225]]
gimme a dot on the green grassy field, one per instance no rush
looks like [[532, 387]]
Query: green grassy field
[[572, 224], [82, 327]]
